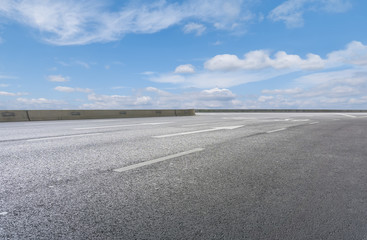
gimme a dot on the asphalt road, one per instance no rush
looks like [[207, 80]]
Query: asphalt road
[[211, 176]]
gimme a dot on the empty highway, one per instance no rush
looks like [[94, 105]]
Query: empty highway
[[209, 176]]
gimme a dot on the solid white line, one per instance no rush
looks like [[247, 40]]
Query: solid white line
[[142, 164], [276, 130], [313, 123], [198, 131], [60, 137], [127, 125], [3, 213]]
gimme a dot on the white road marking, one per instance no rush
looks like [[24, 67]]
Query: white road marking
[[238, 118], [3, 213], [60, 137], [276, 130], [142, 164], [301, 120], [126, 125], [194, 125], [347, 115], [313, 123], [199, 131]]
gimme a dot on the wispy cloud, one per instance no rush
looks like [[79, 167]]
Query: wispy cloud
[[70, 89], [152, 97], [197, 28], [291, 11], [57, 78], [7, 77], [83, 64], [81, 22], [39, 103], [11, 94]]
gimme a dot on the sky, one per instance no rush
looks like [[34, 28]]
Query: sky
[[147, 54]]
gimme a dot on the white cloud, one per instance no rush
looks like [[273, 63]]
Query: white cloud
[[283, 91], [81, 22], [291, 11], [156, 90], [265, 98], [10, 94], [70, 89], [152, 97], [117, 102], [39, 103], [4, 85], [228, 70], [217, 43], [261, 59], [221, 79], [187, 68], [217, 94], [355, 53], [199, 29], [83, 64], [7, 77], [57, 78], [361, 100], [148, 73]]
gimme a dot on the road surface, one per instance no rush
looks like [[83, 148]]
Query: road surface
[[210, 176]]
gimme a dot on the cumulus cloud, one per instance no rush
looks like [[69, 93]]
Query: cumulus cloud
[[70, 89], [228, 70], [197, 28], [57, 78], [291, 11], [354, 53], [80, 22], [261, 59], [217, 94], [187, 68]]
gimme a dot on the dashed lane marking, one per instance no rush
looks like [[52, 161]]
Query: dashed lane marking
[[126, 125], [194, 125], [347, 115], [142, 164], [60, 137], [199, 131], [276, 130]]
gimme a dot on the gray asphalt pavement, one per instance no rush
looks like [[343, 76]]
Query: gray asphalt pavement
[[211, 176]]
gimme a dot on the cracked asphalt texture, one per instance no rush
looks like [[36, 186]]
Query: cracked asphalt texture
[[305, 180]]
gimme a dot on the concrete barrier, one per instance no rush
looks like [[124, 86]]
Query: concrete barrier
[[43, 115], [185, 112], [13, 116], [277, 110]]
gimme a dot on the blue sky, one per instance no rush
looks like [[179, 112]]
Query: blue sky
[[90, 54]]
